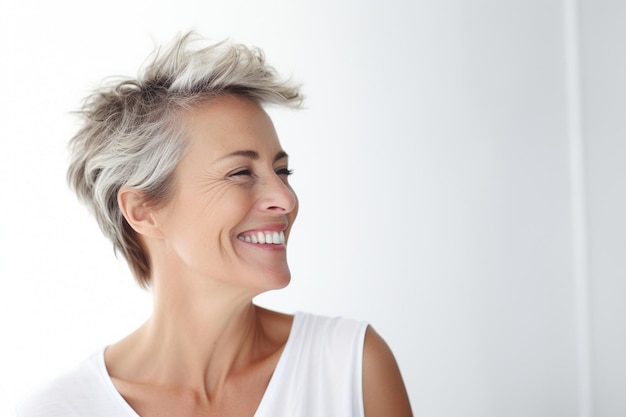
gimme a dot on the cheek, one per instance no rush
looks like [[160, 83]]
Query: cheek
[[210, 202]]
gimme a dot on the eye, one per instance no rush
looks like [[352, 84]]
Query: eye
[[284, 171], [241, 173]]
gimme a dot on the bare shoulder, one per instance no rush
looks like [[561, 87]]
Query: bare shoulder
[[384, 393]]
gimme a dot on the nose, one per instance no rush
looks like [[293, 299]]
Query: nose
[[278, 196]]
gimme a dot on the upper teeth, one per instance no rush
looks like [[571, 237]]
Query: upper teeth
[[274, 238]]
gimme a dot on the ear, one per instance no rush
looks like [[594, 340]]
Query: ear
[[138, 212]]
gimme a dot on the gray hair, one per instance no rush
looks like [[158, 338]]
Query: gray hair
[[132, 134]]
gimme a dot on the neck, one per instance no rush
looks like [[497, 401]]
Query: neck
[[197, 336]]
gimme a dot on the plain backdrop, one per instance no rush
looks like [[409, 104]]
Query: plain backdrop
[[460, 169]]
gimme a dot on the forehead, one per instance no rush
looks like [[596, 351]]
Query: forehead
[[230, 123]]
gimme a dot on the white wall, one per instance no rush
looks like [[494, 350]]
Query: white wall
[[439, 196]]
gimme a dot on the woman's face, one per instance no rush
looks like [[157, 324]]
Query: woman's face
[[231, 199]]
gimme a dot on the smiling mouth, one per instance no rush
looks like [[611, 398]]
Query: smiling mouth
[[264, 238]]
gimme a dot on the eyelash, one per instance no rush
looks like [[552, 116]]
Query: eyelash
[[243, 172], [247, 172]]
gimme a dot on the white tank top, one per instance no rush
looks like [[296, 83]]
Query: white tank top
[[319, 374]]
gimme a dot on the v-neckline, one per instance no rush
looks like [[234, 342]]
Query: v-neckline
[[280, 364]]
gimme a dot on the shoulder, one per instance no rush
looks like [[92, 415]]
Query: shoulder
[[384, 392], [68, 394]]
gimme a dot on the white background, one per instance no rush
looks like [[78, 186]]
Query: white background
[[460, 167]]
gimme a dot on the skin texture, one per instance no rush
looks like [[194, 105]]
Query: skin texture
[[211, 343], [384, 393]]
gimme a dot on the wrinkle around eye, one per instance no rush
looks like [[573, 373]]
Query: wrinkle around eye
[[210, 187], [211, 195]]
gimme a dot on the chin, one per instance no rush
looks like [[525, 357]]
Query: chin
[[276, 281]]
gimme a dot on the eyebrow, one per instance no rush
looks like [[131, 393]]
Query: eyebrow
[[253, 155]]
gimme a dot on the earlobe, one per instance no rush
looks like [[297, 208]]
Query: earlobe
[[138, 212]]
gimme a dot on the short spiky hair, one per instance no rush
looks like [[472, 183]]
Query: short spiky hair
[[132, 135]]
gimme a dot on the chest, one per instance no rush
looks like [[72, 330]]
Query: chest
[[240, 398]]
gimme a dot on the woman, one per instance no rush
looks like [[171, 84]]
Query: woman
[[185, 174]]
